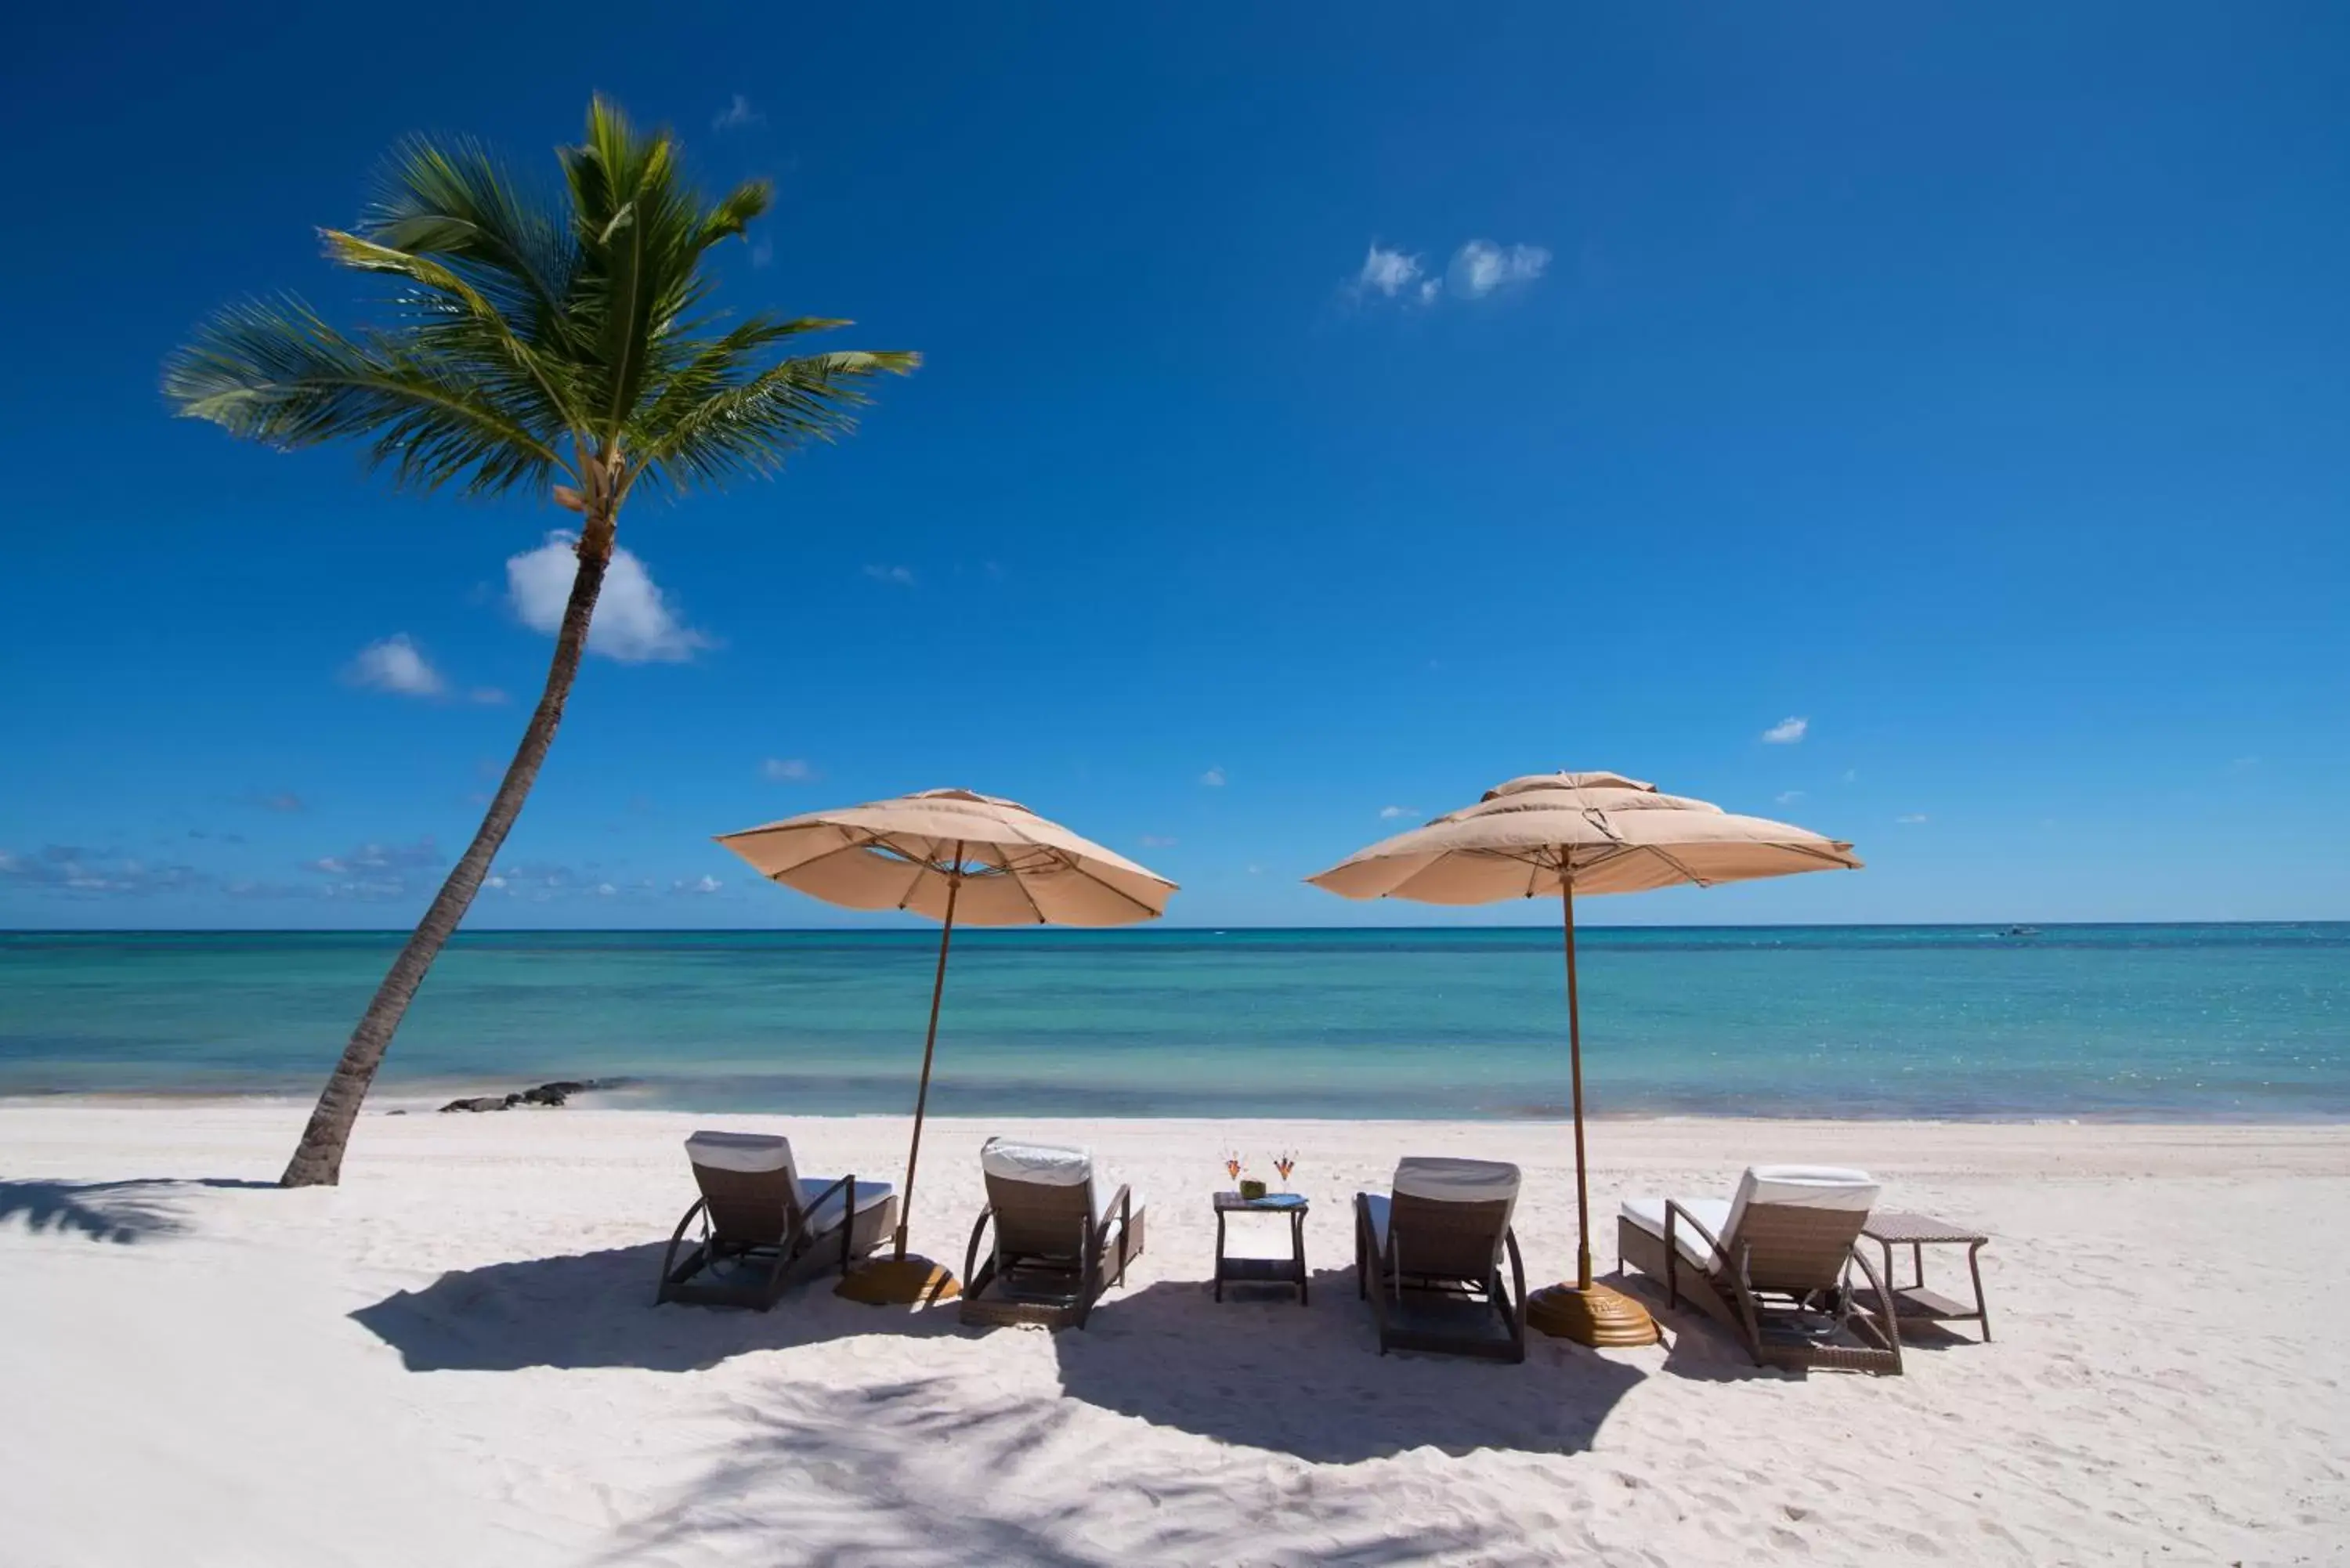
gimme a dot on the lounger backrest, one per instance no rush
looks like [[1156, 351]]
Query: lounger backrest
[[1447, 1217], [750, 1182], [1041, 1195], [1798, 1223]]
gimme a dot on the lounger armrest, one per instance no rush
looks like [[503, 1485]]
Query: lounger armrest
[[1121, 1204], [1887, 1317], [971, 1253], [849, 1205], [1517, 1281], [668, 1257], [1674, 1216]]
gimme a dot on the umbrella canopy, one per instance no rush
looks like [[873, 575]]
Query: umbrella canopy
[[1002, 863], [959, 857], [1557, 834], [1602, 833]]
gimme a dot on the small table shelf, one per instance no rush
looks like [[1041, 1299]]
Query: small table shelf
[[1914, 1300], [1289, 1271]]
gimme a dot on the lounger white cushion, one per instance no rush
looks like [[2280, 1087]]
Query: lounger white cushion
[[1445, 1180], [1801, 1186], [1457, 1180], [752, 1153], [1053, 1165], [1047, 1165], [826, 1215], [1713, 1213]]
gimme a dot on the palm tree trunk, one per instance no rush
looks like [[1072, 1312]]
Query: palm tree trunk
[[318, 1159]]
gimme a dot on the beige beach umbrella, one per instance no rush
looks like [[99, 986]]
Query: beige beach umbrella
[[957, 858], [1557, 834]]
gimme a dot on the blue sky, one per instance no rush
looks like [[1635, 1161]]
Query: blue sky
[[1327, 413]]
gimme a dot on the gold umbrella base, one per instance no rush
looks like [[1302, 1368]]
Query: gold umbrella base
[[1593, 1315], [898, 1282]]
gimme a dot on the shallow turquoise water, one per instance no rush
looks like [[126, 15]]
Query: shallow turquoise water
[[2235, 1020]]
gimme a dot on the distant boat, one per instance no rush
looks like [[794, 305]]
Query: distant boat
[[2021, 932]]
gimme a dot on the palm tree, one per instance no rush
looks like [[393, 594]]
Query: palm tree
[[568, 346]]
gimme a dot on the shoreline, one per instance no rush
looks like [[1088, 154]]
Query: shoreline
[[409, 1099]]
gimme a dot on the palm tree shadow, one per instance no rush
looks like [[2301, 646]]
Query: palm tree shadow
[[595, 1309], [1310, 1382], [934, 1471], [120, 1212]]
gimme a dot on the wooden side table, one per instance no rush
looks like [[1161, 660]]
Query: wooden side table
[[1917, 1232], [1289, 1271]]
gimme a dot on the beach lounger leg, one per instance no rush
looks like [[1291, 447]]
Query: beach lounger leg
[[1982, 1307]]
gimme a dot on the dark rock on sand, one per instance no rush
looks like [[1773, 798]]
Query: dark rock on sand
[[555, 1094]]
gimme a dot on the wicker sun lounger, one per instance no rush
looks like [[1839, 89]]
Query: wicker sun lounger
[[1429, 1256], [764, 1226], [1772, 1263], [1063, 1236]]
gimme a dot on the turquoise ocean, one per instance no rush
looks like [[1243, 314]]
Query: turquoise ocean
[[2186, 1022]]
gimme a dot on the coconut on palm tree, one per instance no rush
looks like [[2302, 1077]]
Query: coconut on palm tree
[[565, 346]]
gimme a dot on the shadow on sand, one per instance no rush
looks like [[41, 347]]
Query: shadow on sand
[[116, 1211], [595, 1309], [931, 1471], [1310, 1381]]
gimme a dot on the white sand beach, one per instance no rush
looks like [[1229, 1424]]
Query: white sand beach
[[454, 1357]]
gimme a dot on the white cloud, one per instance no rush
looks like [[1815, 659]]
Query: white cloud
[[633, 623], [1389, 813], [763, 252], [395, 664], [702, 885], [69, 869], [423, 855], [1255, 870], [1786, 731], [736, 115], [1386, 272], [1789, 796], [605, 889], [1852, 776], [487, 696], [1480, 267], [1214, 778], [788, 770], [1157, 841], [1914, 818], [896, 576]]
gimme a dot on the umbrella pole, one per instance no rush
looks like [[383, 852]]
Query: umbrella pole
[[1574, 1068], [929, 1046], [1586, 1311], [916, 1280]]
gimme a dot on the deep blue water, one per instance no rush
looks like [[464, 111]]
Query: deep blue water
[[2194, 1021]]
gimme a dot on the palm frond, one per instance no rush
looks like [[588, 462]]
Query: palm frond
[[749, 427], [736, 211], [635, 225], [453, 200], [273, 371], [462, 325]]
